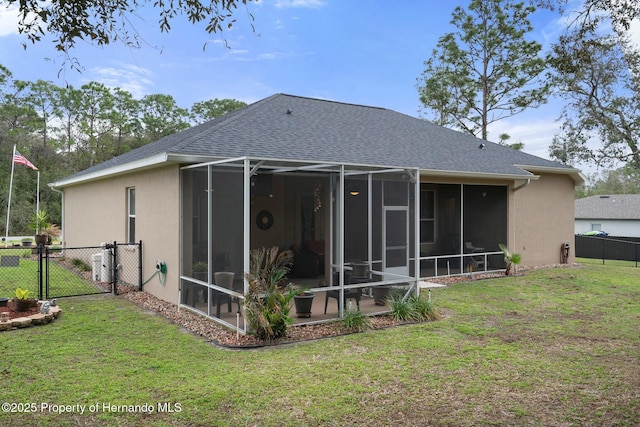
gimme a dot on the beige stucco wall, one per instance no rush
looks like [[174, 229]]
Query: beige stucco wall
[[96, 212], [541, 219]]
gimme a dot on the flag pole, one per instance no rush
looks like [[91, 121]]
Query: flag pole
[[38, 204], [6, 230]]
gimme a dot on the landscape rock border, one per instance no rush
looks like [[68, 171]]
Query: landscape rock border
[[36, 319]]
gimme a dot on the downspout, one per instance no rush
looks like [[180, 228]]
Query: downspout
[[61, 214], [519, 187]]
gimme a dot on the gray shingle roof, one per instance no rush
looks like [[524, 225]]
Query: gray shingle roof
[[617, 206], [296, 128]]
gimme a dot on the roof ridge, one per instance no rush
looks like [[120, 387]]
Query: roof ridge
[[328, 100]]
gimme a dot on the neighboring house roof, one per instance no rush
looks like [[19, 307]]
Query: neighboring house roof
[[293, 128], [616, 206]]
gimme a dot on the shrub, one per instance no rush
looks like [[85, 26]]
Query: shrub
[[80, 264], [401, 308], [423, 308], [355, 320], [511, 259], [412, 308], [269, 299]]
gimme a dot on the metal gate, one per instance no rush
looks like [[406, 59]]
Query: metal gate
[[65, 272]]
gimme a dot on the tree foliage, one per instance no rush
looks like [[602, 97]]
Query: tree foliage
[[208, 110], [487, 70], [624, 180], [105, 22], [63, 130], [597, 72]]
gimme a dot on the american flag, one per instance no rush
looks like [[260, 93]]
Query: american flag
[[22, 160]]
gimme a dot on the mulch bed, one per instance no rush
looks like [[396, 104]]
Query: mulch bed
[[15, 314], [225, 337]]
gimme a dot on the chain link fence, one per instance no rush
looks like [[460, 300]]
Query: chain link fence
[[19, 268], [53, 272]]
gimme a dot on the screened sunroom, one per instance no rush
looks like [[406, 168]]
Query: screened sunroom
[[352, 230]]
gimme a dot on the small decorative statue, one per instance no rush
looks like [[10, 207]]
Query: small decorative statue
[[45, 307], [54, 302]]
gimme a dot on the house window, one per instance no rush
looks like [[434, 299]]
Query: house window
[[427, 216], [131, 215], [596, 227]]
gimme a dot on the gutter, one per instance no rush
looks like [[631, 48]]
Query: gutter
[[521, 186], [574, 173], [149, 162]]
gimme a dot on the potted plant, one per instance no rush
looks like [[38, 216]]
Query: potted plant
[[22, 302], [303, 300], [27, 241], [40, 222], [200, 270], [380, 294], [53, 231]]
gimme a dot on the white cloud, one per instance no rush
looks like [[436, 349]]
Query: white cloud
[[272, 55], [133, 79], [634, 32], [311, 4], [535, 134], [8, 21]]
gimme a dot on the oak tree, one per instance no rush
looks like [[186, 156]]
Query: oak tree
[[597, 72], [105, 22]]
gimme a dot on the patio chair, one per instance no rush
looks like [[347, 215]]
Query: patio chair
[[224, 279], [477, 261], [348, 293]]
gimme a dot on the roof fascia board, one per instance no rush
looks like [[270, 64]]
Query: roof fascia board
[[165, 157], [576, 174], [146, 163]]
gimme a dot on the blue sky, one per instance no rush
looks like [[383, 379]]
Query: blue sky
[[355, 51]]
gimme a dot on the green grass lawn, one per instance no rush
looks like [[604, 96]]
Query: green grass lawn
[[611, 262], [64, 280], [551, 347]]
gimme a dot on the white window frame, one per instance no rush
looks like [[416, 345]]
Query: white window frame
[[131, 214]]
